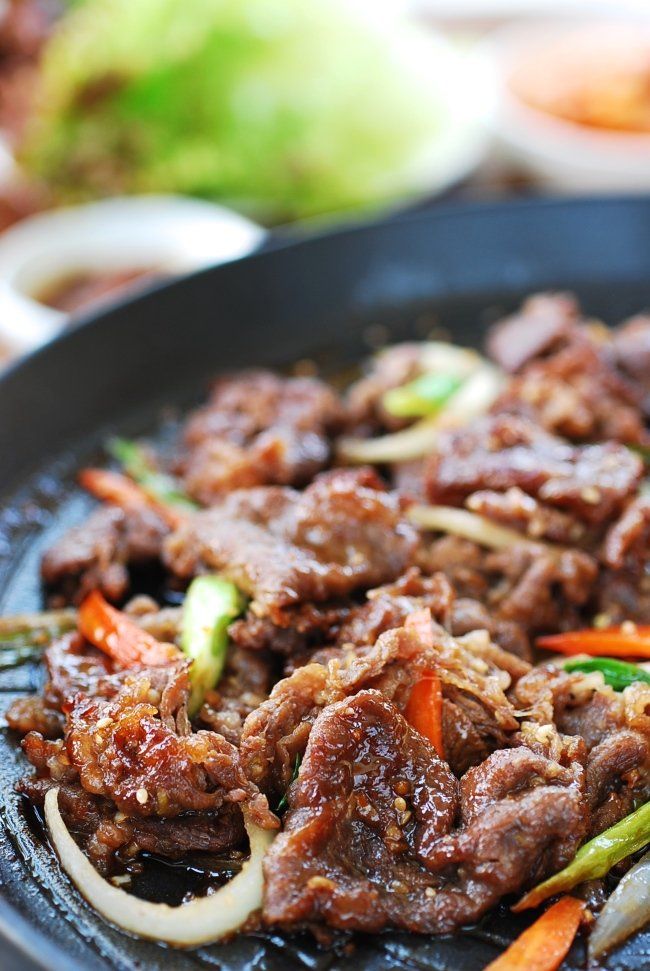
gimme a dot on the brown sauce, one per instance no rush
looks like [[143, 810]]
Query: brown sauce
[[78, 291]]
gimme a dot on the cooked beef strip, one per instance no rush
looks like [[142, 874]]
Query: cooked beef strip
[[258, 429], [544, 323], [96, 555], [519, 511], [32, 714], [138, 750], [347, 850], [72, 666], [591, 482], [578, 394], [469, 670], [104, 832], [631, 348], [525, 589], [245, 683], [617, 743], [574, 378], [368, 829], [344, 533]]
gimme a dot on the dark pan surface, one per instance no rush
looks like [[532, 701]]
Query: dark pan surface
[[329, 298]]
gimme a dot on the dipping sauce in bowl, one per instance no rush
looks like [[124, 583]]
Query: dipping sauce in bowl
[[77, 291]]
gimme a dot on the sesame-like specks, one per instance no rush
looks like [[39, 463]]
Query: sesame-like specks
[[400, 804], [393, 833], [430, 892], [104, 722], [119, 817], [398, 886], [591, 495], [142, 796], [121, 879], [321, 883], [602, 620]]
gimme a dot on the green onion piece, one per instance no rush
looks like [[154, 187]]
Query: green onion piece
[[284, 802], [642, 451], [618, 674], [137, 464], [595, 858], [423, 396], [210, 606]]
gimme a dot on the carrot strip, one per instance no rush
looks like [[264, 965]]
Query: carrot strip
[[424, 710], [117, 635], [546, 943], [629, 640], [118, 489]]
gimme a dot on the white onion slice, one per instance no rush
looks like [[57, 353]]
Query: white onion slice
[[478, 529], [627, 910], [468, 525], [471, 400], [440, 356], [202, 921]]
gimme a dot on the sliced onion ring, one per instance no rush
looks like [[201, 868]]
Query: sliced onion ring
[[626, 911], [472, 399], [478, 529], [202, 921]]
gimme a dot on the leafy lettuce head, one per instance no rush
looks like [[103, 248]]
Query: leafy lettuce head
[[281, 108]]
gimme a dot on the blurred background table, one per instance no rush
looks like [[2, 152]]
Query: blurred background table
[[293, 115]]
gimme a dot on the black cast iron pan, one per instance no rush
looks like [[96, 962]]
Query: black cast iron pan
[[328, 298]]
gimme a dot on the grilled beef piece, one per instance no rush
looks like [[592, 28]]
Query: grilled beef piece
[[578, 394], [473, 685], [572, 377], [368, 840], [245, 683], [97, 554], [613, 728], [72, 666], [259, 428], [103, 834], [631, 348], [139, 751], [519, 511], [388, 607], [345, 622], [592, 482], [469, 615], [283, 548], [33, 714], [525, 589], [624, 584], [544, 323], [348, 851]]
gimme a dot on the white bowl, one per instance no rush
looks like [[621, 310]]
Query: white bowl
[[167, 233], [561, 154]]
